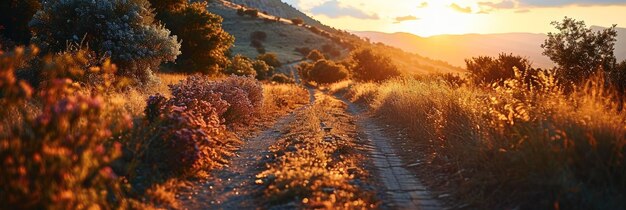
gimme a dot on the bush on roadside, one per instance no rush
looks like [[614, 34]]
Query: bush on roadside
[[57, 154], [325, 72]]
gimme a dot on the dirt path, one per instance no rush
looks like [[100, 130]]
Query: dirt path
[[233, 187], [405, 190]]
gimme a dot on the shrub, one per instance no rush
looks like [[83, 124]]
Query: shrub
[[252, 13], [325, 72], [297, 21], [56, 156], [270, 59], [282, 79], [123, 30], [241, 66], [370, 66], [205, 44], [487, 70], [241, 12], [263, 71], [14, 18], [188, 129], [315, 55], [578, 51]]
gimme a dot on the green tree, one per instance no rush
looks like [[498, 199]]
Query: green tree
[[14, 18], [205, 44], [578, 51], [324, 72], [370, 66]]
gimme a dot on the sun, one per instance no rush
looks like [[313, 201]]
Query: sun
[[439, 19]]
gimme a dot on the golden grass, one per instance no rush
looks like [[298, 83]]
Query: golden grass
[[511, 147]]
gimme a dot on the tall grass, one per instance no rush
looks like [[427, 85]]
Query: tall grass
[[515, 145]]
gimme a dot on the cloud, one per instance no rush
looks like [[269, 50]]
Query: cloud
[[522, 11], [334, 9], [423, 5], [506, 4], [458, 8], [558, 3], [405, 18]]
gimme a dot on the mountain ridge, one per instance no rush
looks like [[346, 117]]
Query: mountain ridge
[[456, 48]]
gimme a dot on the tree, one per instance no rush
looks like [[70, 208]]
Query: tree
[[370, 66], [578, 51], [205, 44], [241, 66], [489, 70], [271, 59], [14, 18], [123, 30], [315, 55]]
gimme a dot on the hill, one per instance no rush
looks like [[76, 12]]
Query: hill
[[456, 48], [283, 38]]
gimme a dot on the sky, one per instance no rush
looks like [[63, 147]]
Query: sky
[[435, 17]]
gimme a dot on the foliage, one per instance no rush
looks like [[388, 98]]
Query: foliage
[[315, 55], [270, 59], [241, 66], [370, 66], [57, 155], [263, 71], [14, 18], [245, 96], [204, 43], [579, 51], [325, 72], [518, 145], [123, 30], [297, 21], [282, 79], [241, 12], [252, 13], [617, 77], [484, 70]]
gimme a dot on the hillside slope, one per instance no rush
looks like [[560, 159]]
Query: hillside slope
[[282, 38]]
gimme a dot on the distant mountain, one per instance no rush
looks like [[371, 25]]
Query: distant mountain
[[456, 48]]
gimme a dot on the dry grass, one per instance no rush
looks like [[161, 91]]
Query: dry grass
[[314, 171], [510, 147]]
